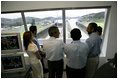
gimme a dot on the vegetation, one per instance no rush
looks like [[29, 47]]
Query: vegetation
[[100, 22], [12, 24], [94, 17], [39, 27]]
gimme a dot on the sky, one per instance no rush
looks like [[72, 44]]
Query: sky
[[43, 14]]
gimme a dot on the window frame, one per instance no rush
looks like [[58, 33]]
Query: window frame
[[64, 17]]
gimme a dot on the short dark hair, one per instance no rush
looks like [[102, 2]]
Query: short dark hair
[[99, 29], [52, 30], [93, 25], [75, 34], [33, 28]]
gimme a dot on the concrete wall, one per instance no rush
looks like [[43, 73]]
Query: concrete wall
[[112, 32], [32, 5], [110, 38]]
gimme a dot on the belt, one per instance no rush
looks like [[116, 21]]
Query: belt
[[56, 60]]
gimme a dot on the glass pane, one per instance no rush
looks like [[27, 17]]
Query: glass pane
[[80, 18], [43, 20], [11, 23]]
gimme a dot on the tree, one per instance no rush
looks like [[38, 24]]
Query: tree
[[33, 22]]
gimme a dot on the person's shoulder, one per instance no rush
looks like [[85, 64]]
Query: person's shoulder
[[45, 41], [85, 46], [32, 44], [58, 40], [84, 43], [68, 46], [89, 39], [32, 47]]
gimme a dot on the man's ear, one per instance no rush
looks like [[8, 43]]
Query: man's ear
[[92, 29], [70, 35], [80, 36], [53, 34]]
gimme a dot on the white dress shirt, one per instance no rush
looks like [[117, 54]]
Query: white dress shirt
[[54, 49], [76, 54]]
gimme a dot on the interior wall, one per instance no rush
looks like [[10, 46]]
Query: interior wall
[[111, 33], [31, 5]]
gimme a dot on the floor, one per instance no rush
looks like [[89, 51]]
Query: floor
[[64, 75]]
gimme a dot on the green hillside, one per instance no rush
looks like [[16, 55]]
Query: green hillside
[[94, 17]]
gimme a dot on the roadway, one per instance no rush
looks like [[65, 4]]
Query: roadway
[[73, 25], [70, 24]]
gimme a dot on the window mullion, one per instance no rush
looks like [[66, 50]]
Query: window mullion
[[64, 25], [24, 21]]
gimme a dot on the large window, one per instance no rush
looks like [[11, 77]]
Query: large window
[[74, 18], [43, 20], [11, 23], [80, 18]]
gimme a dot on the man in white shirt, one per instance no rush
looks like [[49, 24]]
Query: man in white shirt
[[76, 54], [54, 49]]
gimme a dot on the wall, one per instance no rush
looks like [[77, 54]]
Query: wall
[[112, 34], [31, 5], [110, 40]]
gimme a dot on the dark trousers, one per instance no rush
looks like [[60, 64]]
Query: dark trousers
[[75, 73], [55, 68]]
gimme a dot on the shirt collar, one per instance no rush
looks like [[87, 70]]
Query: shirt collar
[[52, 37], [76, 41], [34, 36], [94, 33]]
